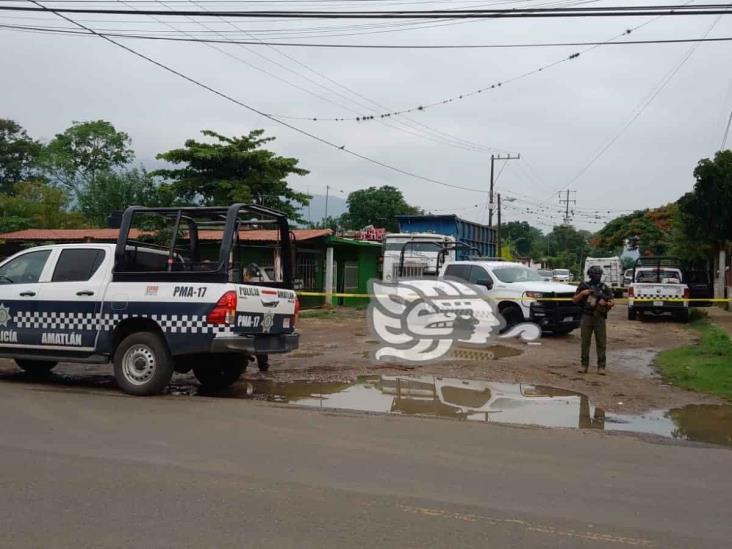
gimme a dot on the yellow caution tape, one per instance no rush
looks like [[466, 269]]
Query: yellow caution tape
[[514, 298]]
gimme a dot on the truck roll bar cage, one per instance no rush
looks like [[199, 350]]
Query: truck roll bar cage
[[230, 218]]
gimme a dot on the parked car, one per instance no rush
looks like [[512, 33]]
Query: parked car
[[517, 293], [561, 275], [546, 275]]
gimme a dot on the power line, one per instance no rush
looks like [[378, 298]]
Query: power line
[[606, 11], [726, 132], [261, 113], [424, 106], [658, 88], [255, 42], [429, 134]]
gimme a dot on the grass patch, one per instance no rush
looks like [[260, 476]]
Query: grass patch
[[705, 367], [333, 313]]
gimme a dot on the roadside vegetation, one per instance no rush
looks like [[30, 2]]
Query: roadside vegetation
[[704, 367]]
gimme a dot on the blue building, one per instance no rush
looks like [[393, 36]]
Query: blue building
[[479, 237]]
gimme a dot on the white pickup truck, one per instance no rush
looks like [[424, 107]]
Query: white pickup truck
[[147, 308], [518, 291], [658, 287]]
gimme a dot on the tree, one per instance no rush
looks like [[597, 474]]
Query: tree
[[521, 237], [36, 204], [75, 157], [233, 169], [377, 206], [566, 247], [650, 229], [18, 155], [110, 191], [706, 212]]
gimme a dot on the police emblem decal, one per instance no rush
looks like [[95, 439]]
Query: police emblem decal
[[4, 315], [267, 321]]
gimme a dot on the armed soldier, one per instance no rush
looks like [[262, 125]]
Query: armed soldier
[[596, 299]]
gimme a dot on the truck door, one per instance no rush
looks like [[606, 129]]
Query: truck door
[[70, 308], [19, 292]]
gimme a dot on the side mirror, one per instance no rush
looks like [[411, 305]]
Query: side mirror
[[487, 283]]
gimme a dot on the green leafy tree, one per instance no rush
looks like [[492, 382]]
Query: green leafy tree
[[19, 155], [37, 204], [377, 206], [110, 191], [706, 212], [75, 157], [567, 247], [649, 229], [233, 169], [521, 238]]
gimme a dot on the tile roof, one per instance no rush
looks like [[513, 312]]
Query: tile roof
[[84, 235]]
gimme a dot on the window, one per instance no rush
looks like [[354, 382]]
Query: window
[[25, 269], [477, 274], [517, 274], [77, 264], [461, 272]]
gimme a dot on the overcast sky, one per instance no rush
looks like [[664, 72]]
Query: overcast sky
[[557, 119]]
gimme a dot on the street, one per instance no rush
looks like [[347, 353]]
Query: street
[[85, 467]]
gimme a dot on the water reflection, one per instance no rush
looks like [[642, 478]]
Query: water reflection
[[474, 400]]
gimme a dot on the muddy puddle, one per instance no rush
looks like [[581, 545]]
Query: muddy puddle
[[473, 400]]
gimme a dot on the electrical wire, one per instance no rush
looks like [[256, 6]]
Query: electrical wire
[[604, 11], [640, 109], [257, 42], [250, 108]]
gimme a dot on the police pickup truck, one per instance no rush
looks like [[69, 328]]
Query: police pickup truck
[[658, 287], [177, 292], [520, 294]]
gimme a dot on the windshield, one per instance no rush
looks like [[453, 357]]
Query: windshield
[[561, 271], [672, 276], [517, 274], [414, 246]]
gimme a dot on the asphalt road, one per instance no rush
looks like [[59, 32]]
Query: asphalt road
[[82, 467]]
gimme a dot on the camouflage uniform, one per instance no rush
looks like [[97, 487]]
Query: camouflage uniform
[[593, 320]]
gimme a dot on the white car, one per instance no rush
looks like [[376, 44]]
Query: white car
[[657, 290], [561, 275], [517, 292]]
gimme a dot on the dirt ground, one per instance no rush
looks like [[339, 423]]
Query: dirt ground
[[340, 348]]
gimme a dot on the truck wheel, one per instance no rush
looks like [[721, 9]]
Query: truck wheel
[[142, 364], [513, 315], [36, 367], [220, 372], [681, 316], [632, 314]]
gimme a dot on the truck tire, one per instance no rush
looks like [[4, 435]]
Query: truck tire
[[632, 314], [512, 315], [263, 363], [142, 364], [220, 371], [36, 367]]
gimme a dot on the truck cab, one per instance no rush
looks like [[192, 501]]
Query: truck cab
[[155, 302], [520, 294]]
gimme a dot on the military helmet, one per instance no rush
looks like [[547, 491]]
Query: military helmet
[[595, 269]]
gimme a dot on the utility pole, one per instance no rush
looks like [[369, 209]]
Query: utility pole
[[566, 201], [495, 157], [498, 232], [327, 189]]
